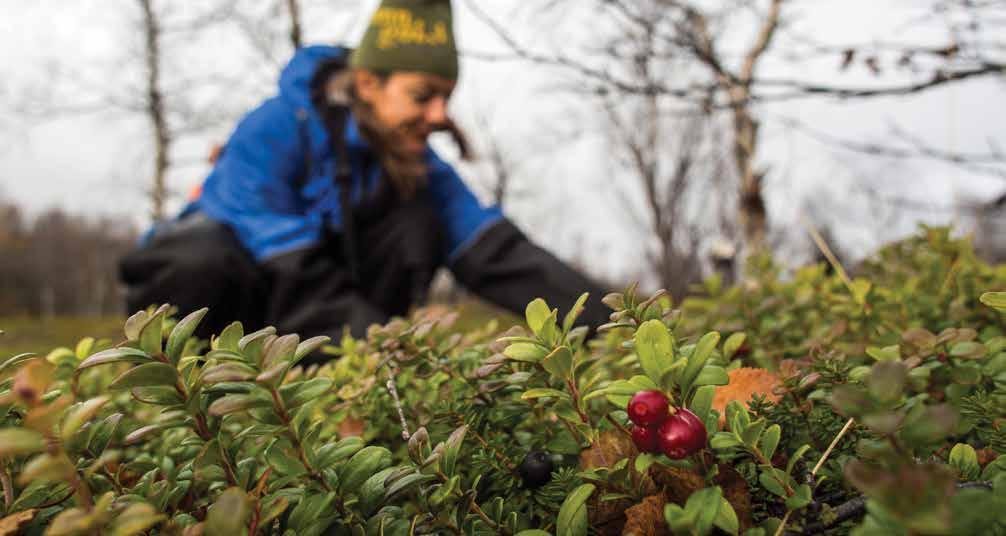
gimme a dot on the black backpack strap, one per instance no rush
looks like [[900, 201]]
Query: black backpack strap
[[344, 178], [334, 118], [305, 142]]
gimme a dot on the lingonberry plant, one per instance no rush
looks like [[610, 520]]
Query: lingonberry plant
[[870, 405]]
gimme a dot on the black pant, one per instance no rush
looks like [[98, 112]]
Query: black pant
[[197, 262]]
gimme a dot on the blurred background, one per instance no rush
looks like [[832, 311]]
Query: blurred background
[[656, 141]]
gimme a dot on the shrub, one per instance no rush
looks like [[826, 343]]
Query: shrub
[[874, 405]]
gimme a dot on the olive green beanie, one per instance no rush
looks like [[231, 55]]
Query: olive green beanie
[[410, 35]]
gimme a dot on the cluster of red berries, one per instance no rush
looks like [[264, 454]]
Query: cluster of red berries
[[656, 430]]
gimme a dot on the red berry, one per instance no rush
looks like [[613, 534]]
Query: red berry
[[681, 435], [648, 408], [645, 438]]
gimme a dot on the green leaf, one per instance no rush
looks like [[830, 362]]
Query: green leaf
[[234, 403], [537, 313], [533, 532], [137, 518], [559, 363], [572, 520], [137, 435], [732, 344], [333, 453], [850, 401], [300, 393], [697, 360], [703, 506], [45, 467], [406, 482], [644, 462], [146, 375], [887, 380], [860, 289], [371, 493], [964, 458], [83, 348], [619, 392], [151, 335], [543, 392], [724, 441], [229, 337], [16, 361], [362, 465], [655, 349], [795, 458], [995, 299], [802, 496], [305, 348], [229, 514], [80, 414], [19, 441], [115, 355], [968, 350], [283, 463], [726, 518], [526, 352], [712, 375], [769, 441], [228, 371], [280, 350], [702, 401], [134, 324], [887, 353], [181, 333], [678, 520], [574, 312], [752, 432], [102, 433], [158, 395], [452, 448], [771, 479]]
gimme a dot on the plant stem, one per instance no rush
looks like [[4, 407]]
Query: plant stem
[[820, 463], [857, 506], [618, 425], [398, 404], [576, 401], [8, 489], [782, 526], [474, 506], [294, 440], [485, 444], [831, 447]]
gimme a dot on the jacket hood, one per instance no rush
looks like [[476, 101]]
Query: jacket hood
[[295, 80]]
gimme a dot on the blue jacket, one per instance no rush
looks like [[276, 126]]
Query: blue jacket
[[259, 188]]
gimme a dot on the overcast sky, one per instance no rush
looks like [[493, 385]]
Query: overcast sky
[[98, 163]]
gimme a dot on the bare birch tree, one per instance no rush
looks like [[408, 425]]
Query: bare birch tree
[[731, 79]]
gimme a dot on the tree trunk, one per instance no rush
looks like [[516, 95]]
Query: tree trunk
[[293, 6], [155, 109], [751, 203]]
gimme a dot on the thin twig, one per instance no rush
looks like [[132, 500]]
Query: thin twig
[[782, 526], [823, 246], [831, 447], [8, 489], [817, 467], [398, 404]]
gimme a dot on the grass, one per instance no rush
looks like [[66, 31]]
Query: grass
[[32, 334], [40, 336]]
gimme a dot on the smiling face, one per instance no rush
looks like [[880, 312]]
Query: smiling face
[[409, 105]]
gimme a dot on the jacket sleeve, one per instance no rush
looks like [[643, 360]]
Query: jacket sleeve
[[503, 266], [252, 187]]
